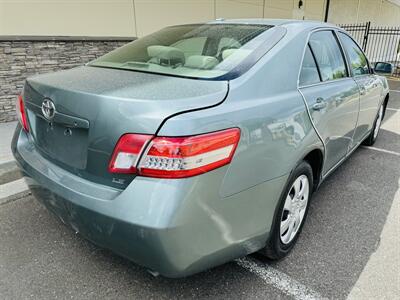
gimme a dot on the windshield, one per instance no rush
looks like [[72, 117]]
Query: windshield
[[198, 51]]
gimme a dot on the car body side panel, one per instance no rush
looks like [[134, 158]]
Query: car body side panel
[[276, 131], [337, 121], [273, 137], [370, 97]]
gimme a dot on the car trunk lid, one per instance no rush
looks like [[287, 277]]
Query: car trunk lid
[[95, 106]]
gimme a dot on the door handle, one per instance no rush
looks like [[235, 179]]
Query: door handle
[[319, 104]]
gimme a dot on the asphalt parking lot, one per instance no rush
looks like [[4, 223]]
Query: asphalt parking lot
[[350, 245]]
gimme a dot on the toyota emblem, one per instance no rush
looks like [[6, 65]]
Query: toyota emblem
[[48, 109]]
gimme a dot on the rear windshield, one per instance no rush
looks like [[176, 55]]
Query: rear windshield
[[196, 51]]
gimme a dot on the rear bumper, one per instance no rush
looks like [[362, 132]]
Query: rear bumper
[[174, 227]]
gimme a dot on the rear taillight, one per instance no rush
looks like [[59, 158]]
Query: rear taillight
[[179, 157], [127, 152], [189, 156], [21, 113]]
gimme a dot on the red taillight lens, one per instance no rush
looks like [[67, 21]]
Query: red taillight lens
[[21, 113], [189, 156], [174, 157], [127, 151]]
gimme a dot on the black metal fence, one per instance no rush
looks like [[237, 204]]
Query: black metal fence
[[380, 43]]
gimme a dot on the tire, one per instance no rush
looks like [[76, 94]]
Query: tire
[[280, 244], [370, 140]]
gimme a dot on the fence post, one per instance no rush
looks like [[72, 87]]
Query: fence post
[[366, 33]]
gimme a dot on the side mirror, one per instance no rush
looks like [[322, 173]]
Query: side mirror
[[383, 68]]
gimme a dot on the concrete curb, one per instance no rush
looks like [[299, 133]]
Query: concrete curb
[[9, 171], [12, 190], [14, 197]]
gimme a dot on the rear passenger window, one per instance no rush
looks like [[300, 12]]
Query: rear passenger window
[[309, 71], [328, 55], [358, 61]]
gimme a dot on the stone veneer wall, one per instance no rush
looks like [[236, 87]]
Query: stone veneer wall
[[21, 57]]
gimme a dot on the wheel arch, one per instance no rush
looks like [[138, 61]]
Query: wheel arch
[[385, 103], [315, 158]]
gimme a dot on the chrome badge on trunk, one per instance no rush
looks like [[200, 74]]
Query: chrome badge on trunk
[[48, 109]]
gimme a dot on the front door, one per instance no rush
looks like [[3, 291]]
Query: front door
[[331, 95]]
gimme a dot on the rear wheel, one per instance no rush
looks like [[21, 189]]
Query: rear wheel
[[291, 214], [370, 140]]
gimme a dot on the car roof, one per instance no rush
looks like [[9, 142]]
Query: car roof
[[275, 22]]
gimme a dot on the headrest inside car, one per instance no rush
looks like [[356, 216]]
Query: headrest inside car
[[201, 62], [166, 55], [238, 53]]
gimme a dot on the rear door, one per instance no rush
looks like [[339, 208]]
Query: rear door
[[331, 95], [369, 84]]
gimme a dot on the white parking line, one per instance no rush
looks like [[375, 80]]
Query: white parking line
[[393, 109], [395, 91], [382, 150], [279, 280], [12, 188]]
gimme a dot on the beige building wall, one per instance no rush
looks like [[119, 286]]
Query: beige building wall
[[314, 10], [369, 11], [152, 15], [389, 14], [140, 17], [379, 12], [67, 17], [237, 9], [280, 9], [289, 9]]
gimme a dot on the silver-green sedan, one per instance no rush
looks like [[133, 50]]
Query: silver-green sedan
[[199, 143]]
